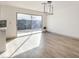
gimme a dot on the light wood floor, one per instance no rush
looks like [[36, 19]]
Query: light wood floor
[[53, 45], [47, 45]]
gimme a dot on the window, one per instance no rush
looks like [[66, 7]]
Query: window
[[27, 23]]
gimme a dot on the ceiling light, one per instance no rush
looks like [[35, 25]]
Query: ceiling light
[[48, 7]]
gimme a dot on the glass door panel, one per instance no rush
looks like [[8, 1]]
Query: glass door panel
[[23, 23], [36, 22], [28, 24]]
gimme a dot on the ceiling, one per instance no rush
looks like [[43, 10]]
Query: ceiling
[[35, 5]]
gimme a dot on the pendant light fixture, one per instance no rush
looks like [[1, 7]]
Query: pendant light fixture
[[48, 7]]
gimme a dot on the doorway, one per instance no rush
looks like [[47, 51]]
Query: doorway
[[28, 24]]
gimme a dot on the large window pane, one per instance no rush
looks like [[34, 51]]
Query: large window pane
[[28, 24], [23, 21], [36, 22]]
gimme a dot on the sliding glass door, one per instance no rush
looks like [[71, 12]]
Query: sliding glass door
[[28, 23], [36, 23]]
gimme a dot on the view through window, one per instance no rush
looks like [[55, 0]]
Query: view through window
[[27, 23]]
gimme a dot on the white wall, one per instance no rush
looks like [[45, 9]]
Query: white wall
[[65, 20], [9, 13], [0, 11]]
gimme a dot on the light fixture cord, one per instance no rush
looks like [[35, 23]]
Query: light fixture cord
[[44, 7]]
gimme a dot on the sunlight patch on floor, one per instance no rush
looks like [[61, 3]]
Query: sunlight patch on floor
[[33, 42], [19, 33], [13, 45]]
